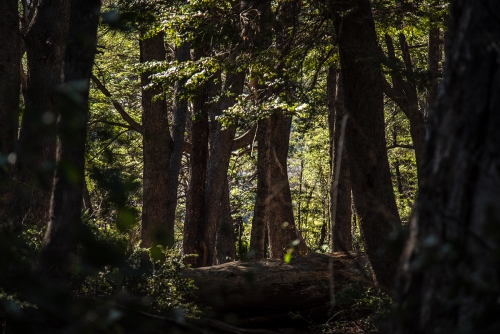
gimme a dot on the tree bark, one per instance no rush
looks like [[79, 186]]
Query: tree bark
[[45, 40], [216, 201], [226, 238], [273, 203], [280, 221], [259, 227], [449, 278], [433, 58], [270, 289], [366, 146], [10, 75], [198, 238], [179, 118], [259, 220], [342, 233], [59, 244], [157, 150]]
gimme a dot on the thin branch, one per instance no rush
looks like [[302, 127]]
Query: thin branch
[[244, 140], [107, 145], [126, 117], [111, 123]]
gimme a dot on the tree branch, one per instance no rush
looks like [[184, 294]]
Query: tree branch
[[126, 117], [126, 126], [244, 140]]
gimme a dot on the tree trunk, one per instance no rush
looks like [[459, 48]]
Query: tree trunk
[[270, 289], [365, 137], [59, 244], [216, 201], [179, 118], [433, 58], [34, 170], [342, 235], [10, 75], [279, 219], [198, 238], [449, 278], [259, 228], [258, 233], [157, 149], [226, 238]]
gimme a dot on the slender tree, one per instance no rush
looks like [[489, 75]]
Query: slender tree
[[449, 278], [342, 235], [195, 240], [179, 117]]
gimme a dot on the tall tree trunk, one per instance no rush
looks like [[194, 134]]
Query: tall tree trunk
[[157, 150], [342, 235], [279, 218], [226, 238], [368, 164], [216, 201], [33, 173], [59, 244], [449, 278], [258, 233], [10, 75], [259, 228], [179, 118], [197, 240], [273, 203]]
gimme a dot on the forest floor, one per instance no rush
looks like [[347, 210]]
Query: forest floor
[[347, 328]]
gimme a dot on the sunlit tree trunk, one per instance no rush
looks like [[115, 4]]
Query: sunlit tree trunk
[[218, 216], [449, 277], [365, 137], [279, 219], [157, 150]]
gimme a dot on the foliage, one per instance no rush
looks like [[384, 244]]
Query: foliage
[[149, 277], [367, 308], [110, 284]]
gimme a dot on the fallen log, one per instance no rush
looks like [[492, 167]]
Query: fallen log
[[260, 291]]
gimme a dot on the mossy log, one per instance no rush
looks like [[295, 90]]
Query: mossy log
[[256, 291]]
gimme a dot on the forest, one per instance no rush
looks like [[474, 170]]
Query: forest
[[250, 166]]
